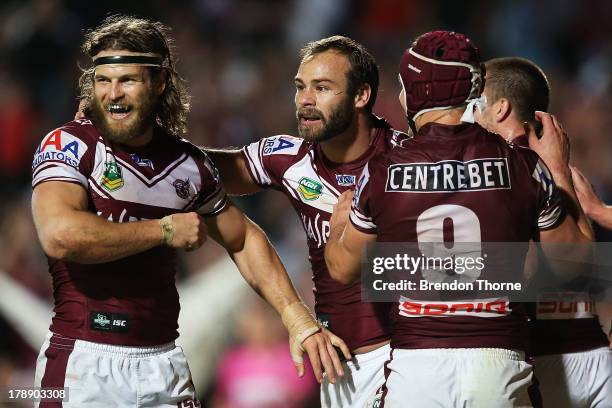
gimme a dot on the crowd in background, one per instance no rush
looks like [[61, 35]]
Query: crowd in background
[[239, 58]]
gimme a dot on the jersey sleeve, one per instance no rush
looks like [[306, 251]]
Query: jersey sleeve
[[550, 208], [268, 158], [213, 199], [360, 215], [64, 154]]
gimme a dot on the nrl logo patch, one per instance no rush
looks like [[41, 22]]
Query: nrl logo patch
[[112, 178], [182, 188], [310, 189]]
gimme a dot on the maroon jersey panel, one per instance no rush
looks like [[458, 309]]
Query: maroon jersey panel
[[132, 301], [564, 325], [565, 322], [458, 184], [313, 184], [560, 336]]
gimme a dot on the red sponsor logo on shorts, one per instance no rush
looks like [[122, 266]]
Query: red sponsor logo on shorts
[[480, 308]]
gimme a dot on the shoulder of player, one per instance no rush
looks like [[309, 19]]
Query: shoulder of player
[[68, 142], [283, 145], [82, 129]]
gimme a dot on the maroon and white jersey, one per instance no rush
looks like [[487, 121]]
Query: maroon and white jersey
[[457, 184], [563, 322], [132, 301], [313, 184]]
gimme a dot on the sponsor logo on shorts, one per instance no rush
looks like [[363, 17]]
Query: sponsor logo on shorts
[[345, 180], [112, 322], [309, 189], [112, 178]]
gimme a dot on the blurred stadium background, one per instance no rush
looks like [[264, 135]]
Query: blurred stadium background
[[239, 58]]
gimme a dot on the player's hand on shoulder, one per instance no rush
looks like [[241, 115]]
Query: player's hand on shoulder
[[80, 113], [323, 355], [554, 146], [184, 230], [341, 210]]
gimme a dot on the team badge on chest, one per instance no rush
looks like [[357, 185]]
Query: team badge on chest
[[182, 188], [112, 178]]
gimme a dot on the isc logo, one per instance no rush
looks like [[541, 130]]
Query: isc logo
[[120, 323]]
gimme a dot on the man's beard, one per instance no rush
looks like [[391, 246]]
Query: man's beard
[[143, 116], [339, 120]]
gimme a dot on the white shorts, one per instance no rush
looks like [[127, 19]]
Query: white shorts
[[361, 383], [106, 376], [474, 378], [576, 379]]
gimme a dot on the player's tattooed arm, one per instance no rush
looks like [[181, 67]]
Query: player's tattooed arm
[[345, 243], [261, 267], [68, 231], [232, 167], [592, 205]]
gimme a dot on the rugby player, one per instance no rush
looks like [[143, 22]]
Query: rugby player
[[115, 195], [466, 357], [573, 363], [336, 85]]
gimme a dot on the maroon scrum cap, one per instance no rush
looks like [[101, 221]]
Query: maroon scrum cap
[[441, 70]]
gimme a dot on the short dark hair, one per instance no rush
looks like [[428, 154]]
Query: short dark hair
[[363, 65], [119, 32], [520, 81]]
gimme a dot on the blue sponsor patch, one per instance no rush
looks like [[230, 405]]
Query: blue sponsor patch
[[345, 180], [279, 145], [142, 162], [60, 146]]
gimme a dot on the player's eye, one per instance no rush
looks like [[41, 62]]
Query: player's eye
[[102, 80], [321, 88], [299, 87]]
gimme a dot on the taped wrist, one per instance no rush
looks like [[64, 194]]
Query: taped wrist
[[301, 324], [167, 229]]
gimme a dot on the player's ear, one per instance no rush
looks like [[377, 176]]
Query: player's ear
[[502, 109], [362, 97], [159, 82]]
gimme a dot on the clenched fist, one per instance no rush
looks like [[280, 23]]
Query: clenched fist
[[184, 230]]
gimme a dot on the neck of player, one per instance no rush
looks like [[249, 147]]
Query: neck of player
[[353, 142], [142, 140], [509, 128], [443, 117]]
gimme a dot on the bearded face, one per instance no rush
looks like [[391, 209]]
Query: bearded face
[[124, 102], [324, 101], [124, 120], [315, 126]]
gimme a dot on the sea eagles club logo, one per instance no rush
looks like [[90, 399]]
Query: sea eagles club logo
[[309, 189], [182, 188], [112, 179]]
